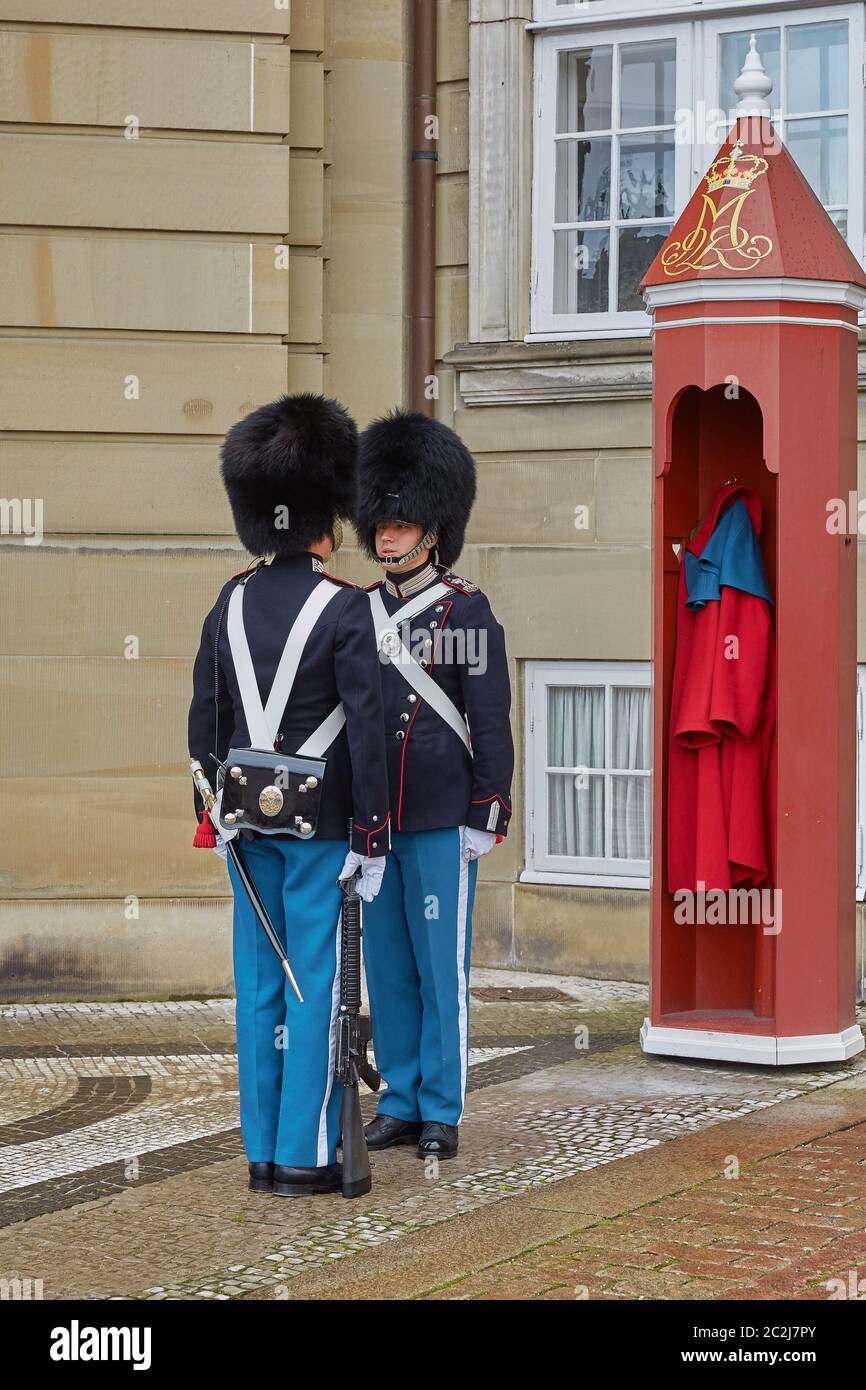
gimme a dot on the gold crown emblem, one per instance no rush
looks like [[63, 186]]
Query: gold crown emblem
[[737, 171]]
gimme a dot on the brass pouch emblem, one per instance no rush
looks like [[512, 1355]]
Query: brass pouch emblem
[[271, 801]]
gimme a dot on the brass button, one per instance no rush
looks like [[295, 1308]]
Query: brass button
[[433, 624], [411, 699], [401, 733], [439, 607], [375, 818], [405, 718], [375, 844]]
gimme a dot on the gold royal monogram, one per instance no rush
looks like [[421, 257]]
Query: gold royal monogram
[[718, 237]]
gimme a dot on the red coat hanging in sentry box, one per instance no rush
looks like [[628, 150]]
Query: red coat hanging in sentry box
[[721, 793]]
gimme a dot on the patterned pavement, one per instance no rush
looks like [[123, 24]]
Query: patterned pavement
[[119, 1136]]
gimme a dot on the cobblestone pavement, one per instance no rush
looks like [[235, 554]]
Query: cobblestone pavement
[[122, 1173]]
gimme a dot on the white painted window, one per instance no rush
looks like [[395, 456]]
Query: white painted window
[[814, 58], [627, 121], [588, 748], [588, 773]]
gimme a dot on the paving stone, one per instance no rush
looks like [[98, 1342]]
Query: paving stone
[[119, 1145]]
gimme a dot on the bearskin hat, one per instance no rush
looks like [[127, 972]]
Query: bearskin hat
[[290, 469], [416, 469]]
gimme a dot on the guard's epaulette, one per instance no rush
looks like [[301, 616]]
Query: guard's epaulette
[[337, 580], [455, 582]]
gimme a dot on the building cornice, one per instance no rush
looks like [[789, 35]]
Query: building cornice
[[665, 12], [562, 373]]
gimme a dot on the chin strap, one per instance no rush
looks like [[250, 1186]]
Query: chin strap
[[398, 561]]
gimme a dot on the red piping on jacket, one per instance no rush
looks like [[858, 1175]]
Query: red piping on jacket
[[338, 579], [483, 800], [402, 761], [370, 834]]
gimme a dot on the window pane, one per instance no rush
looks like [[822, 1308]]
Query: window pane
[[732, 52], [648, 94], [646, 176], [582, 181], [583, 92], [631, 817], [820, 147], [841, 221], [575, 726], [631, 731], [817, 67], [581, 270], [575, 810], [638, 247]]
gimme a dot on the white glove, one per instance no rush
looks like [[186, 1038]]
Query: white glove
[[474, 843], [220, 846], [372, 872]]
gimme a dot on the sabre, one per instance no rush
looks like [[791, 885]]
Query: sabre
[[206, 792]]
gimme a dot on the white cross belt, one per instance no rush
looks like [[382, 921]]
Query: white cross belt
[[394, 650]]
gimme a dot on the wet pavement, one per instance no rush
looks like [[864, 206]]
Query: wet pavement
[[585, 1168]]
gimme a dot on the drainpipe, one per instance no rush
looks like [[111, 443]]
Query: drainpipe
[[424, 159]]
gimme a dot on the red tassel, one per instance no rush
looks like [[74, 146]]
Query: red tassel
[[204, 835], [499, 839]]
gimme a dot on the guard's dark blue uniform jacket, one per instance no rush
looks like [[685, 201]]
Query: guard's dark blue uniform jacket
[[339, 663], [433, 780]]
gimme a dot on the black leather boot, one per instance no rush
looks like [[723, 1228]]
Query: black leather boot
[[385, 1132], [307, 1182], [261, 1177], [437, 1140]]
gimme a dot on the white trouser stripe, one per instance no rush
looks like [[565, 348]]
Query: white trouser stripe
[[462, 981], [322, 1149]]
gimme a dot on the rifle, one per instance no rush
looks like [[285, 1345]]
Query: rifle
[[353, 1035], [207, 795]]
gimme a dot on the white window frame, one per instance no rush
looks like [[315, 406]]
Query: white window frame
[[580, 10], [860, 857], [541, 867], [713, 29], [546, 325], [697, 70], [580, 14]]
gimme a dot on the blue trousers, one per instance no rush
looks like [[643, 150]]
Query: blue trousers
[[417, 940], [290, 1106]]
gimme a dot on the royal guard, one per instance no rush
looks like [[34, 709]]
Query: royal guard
[[287, 718], [450, 761]]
